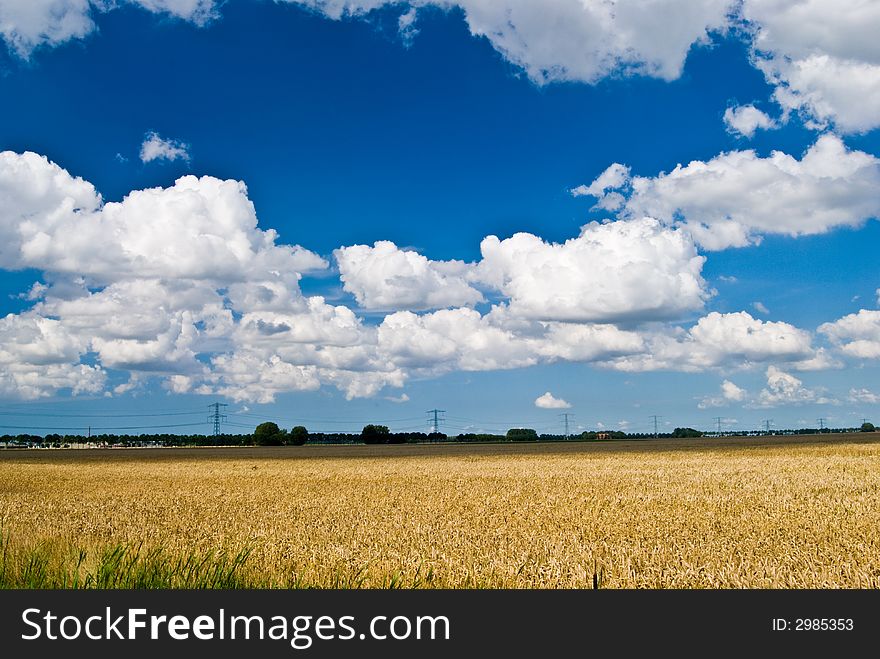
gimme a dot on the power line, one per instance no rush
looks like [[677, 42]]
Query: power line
[[435, 425], [98, 416], [216, 417], [87, 428], [565, 416], [360, 421]]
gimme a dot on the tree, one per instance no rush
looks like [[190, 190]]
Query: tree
[[522, 435], [686, 432], [298, 435], [372, 434], [268, 434], [868, 427]]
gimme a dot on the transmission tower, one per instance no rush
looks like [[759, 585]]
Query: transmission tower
[[767, 423], [821, 422], [565, 419], [435, 419], [718, 420], [216, 417], [656, 418]]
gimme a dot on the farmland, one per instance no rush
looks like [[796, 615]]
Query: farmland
[[781, 512]]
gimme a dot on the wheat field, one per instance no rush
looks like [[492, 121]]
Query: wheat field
[[735, 513]]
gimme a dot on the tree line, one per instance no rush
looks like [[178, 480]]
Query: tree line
[[270, 434]]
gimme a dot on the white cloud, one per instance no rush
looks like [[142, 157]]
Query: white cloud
[[452, 338], [579, 40], [463, 339], [27, 24], [823, 57], [39, 357], [736, 197], [182, 285], [134, 383], [36, 197], [195, 11], [386, 277], [149, 284], [548, 401], [745, 120], [615, 176], [720, 340], [200, 228], [402, 398], [820, 360], [406, 25], [625, 271], [856, 335], [554, 40], [156, 147], [785, 389], [730, 393], [863, 396], [579, 342], [242, 376], [760, 307], [634, 270]]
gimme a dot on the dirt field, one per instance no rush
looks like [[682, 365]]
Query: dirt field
[[784, 512]]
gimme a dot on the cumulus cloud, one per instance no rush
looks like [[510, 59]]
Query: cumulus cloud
[[823, 58], [718, 340], [27, 24], [579, 40], [181, 284], [863, 396], [200, 228], [39, 357], [632, 270], [386, 277], [730, 393], [738, 196], [745, 120], [785, 389], [548, 401], [614, 177], [626, 271], [156, 147], [452, 338], [147, 284], [856, 335], [464, 339], [554, 40]]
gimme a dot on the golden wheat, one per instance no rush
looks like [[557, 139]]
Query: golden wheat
[[684, 516]]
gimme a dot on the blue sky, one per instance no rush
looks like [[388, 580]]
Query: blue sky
[[347, 131]]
